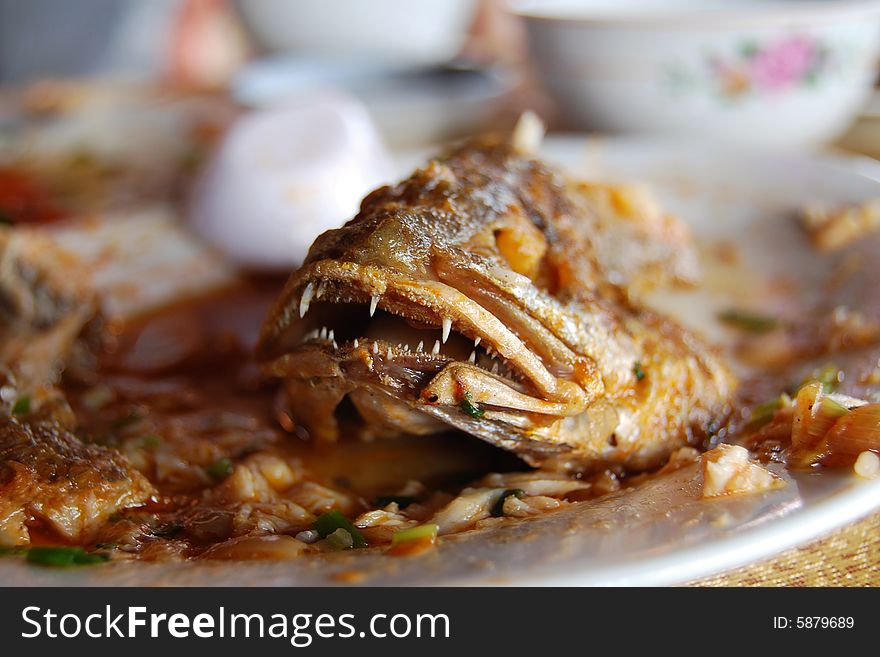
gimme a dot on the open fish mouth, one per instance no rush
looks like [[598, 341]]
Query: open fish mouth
[[425, 344]]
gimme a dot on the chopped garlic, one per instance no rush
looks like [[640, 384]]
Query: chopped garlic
[[727, 470], [867, 465], [680, 458], [831, 228]]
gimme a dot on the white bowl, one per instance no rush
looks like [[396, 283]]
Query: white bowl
[[401, 33], [771, 73]]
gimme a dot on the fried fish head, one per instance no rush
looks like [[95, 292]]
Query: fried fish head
[[463, 296]]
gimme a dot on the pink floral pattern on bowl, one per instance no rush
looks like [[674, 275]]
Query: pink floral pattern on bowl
[[779, 66]]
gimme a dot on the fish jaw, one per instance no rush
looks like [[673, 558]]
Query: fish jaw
[[453, 349]]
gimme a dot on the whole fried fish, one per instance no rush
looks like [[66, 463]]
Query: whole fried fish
[[475, 294]]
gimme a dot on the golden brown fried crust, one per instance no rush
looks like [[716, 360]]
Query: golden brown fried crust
[[49, 476], [485, 237], [459, 202]]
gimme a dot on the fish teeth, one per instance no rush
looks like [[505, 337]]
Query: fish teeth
[[477, 342], [306, 299], [331, 336], [374, 302], [436, 349], [421, 346], [375, 348], [447, 327], [323, 333], [321, 287], [356, 343], [388, 355], [335, 346], [494, 368], [473, 357]]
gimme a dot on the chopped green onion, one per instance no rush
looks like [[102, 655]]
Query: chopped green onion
[[638, 371], [22, 406], [220, 469], [90, 558], [126, 420], [763, 413], [64, 556], [748, 321], [150, 441], [469, 407], [833, 408], [771, 406], [498, 507], [402, 501], [829, 376], [415, 533], [12, 550], [327, 523], [340, 540], [815, 413]]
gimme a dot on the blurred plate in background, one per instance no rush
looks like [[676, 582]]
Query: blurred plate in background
[[409, 106]]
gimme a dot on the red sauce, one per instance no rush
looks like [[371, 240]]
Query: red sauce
[[23, 200]]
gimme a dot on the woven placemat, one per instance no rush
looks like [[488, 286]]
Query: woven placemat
[[848, 557]]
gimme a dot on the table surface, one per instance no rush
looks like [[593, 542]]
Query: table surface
[[847, 557]]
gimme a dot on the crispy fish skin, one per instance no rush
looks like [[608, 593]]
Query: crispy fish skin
[[48, 475], [489, 245]]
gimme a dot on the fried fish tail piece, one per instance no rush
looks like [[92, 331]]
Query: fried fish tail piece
[[474, 294], [49, 478]]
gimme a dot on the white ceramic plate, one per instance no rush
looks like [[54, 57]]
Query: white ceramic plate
[[659, 533]]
